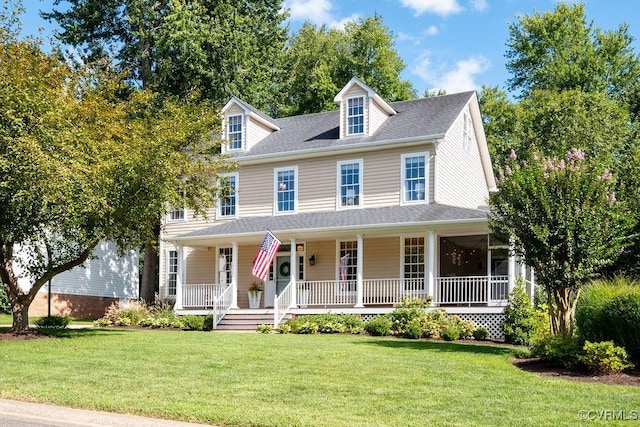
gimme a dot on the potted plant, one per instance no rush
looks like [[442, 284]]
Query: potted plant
[[254, 293]]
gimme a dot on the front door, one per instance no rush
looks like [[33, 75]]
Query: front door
[[283, 272]]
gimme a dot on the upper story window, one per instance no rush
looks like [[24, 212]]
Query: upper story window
[[234, 132], [286, 180], [228, 204], [349, 183], [466, 131], [176, 214], [414, 177], [355, 116]]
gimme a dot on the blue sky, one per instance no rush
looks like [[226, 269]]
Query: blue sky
[[454, 45]]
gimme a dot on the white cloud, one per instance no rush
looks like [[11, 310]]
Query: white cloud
[[432, 30], [457, 79], [438, 7], [316, 11], [479, 5]]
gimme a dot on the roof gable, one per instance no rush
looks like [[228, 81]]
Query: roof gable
[[370, 93]]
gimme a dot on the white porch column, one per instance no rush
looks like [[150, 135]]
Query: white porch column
[[430, 269], [293, 273], [359, 270], [234, 275], [511, 281], [180, 277], [533, 283]]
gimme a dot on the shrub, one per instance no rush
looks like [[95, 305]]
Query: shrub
[[413, 329], [284, 328], [610, 311], [521, 319], [465, 328], [193, 322], [102, 322], [55, 322], [480, 333], [408, 310], [561, 349], [208, 323], [450, 333], [5, 307], [328, 323], [265, 329], [378, 326], [127, 313], [604, 357]]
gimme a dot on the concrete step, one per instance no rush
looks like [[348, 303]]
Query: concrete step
[[245, 321]]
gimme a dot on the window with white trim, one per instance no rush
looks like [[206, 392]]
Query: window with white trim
[[413, 263], [234, 132], [286, 189], [349, 183], [172, 273], [414, 177], [228, 204], [347, 266], [177, 214], [466, 131], [355, 115]]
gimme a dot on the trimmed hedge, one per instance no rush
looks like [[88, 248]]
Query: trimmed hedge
[[610, 311]]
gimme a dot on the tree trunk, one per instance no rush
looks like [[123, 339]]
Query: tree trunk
[[148, 286], [20, 310], [562, 313]]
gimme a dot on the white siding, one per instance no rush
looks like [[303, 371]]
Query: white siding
[[255, 132], [105, 275], [377, 116], [459, 177]]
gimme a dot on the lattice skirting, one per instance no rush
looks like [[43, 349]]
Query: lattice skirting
[[491, 321]]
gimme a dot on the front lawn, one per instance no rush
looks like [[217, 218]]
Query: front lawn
[[285, 380]]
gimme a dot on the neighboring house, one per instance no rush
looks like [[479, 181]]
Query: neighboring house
[[372, 202], [88, 290]]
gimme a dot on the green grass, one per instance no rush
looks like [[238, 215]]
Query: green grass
[[291, 380], [7, 319]]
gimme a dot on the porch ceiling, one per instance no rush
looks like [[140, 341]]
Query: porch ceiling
[[330, 224]]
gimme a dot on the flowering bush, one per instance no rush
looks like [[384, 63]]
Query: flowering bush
[[563, 218]]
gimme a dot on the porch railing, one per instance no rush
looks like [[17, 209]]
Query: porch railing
[[201, 295], [471, 289], [327, 292], [282, 304], [392, 291], [222, 305]]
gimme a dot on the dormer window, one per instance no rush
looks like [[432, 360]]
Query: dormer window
[[355, 116], [234, 132]]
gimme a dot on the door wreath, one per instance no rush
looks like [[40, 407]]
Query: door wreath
[[284, 269]]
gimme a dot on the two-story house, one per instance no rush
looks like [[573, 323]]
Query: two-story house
[[371, 202]]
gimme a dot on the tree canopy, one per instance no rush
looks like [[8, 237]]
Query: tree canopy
[[84, 159]]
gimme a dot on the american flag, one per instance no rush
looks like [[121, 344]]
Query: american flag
[[343, 267], [264, 258]]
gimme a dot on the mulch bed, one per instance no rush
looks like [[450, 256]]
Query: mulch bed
[[544, 368], [29, 335]]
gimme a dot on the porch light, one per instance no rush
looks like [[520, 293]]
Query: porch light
[[312, 260]]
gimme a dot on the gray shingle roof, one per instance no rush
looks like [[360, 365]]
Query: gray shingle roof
[[337, 220], [428, 117]]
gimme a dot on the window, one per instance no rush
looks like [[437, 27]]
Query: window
[[466, 131], [355, 116], [175, 215], [286, 189], [349, 183], [234, 132], [172, 273], [229, 202], [225, 259], [413, 263], [414, 171], [348, 266]]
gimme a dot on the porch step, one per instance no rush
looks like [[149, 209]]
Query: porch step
[[246, 320]]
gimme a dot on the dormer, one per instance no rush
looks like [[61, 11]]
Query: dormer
[[243, 126], [362, 110]]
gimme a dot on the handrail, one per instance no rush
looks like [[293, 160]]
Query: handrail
[[221, 306], [282, 303]]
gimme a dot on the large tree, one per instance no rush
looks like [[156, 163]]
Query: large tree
[[318, 61], [563, 217], [83, 158]]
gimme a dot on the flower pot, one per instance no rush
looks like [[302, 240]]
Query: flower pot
[[254, 298]]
